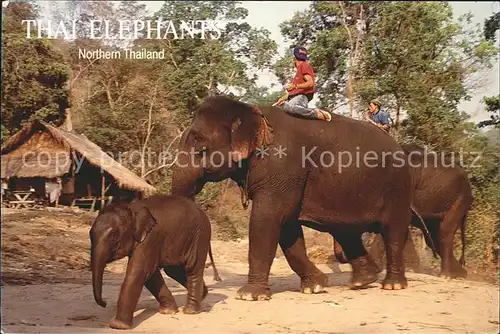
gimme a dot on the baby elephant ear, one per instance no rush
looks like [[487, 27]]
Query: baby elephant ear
[[143, 223]]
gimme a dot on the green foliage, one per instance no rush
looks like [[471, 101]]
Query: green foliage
[[424, 60], [491, 26], [320, 30], [128, 106], [492, 106], [5, 132], [414, 56], [229, 229], [261, 96], [34, 74], [484, 219], [204, 67]]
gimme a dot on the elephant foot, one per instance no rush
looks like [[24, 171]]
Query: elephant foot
[[394, 282], [168, 309], [444, 275], [457, 272], [314, 284], [364, 272], [191, 309], [205, 292], [118, 324], [253, 292]]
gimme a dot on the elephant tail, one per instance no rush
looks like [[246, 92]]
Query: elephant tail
[[217, 278], [464, 241], [426, 232]]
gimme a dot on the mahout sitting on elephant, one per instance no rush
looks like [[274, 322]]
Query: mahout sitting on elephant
[[279, 161], [443, 197], [168, 232]]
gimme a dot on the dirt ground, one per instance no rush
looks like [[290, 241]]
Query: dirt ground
[[46, 288]]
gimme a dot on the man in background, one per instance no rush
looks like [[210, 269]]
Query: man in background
[[378, 117]]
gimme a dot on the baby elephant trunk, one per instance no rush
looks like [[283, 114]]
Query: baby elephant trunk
[[98, 262]]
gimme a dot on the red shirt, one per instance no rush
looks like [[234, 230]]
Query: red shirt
[[302, 69]]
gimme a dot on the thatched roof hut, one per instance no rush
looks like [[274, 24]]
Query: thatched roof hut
[[41, 150]]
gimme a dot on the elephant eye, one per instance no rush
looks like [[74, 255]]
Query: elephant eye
[[114, 235]]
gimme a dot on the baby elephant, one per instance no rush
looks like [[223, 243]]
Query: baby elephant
[[166, 232]]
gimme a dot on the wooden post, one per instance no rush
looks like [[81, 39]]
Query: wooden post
[[103, 189]]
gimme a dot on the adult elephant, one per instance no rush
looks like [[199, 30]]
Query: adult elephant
[[284, 164], [443, 197]]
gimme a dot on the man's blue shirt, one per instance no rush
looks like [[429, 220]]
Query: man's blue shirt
[[381, 117]]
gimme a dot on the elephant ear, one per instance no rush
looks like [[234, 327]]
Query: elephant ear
[[143, 223], [250, 130]]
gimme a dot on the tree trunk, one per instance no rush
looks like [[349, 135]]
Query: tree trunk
[[396, 123], [353, 54], [67, 124], [349, 88]]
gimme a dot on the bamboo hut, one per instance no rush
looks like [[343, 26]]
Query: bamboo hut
[[50, 160]]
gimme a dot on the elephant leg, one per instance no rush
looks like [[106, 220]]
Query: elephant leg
[[178, 273], [292, 243], [394, 236], [411, 257], [433, 225], [196, 291], [364, 269], [266, 220], [135, 278], [338, 251], [156, 285], [450, 267]]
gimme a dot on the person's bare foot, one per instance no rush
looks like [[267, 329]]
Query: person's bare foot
[[324, 115]]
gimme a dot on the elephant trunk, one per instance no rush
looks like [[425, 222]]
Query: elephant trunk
[[98, 263], [187, 181]]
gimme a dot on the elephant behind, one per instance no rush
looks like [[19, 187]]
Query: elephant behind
[[166, 232], [443, 197]]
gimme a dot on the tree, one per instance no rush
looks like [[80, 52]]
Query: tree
[[261, 96], [137, 108], [354, 49], [413, 56], [493, 106], [335, 33], [491, 26], [424, 66], [34, 74], [208, 66]]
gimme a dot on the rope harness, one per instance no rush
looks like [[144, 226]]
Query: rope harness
[[245, 200], [243, 185]]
